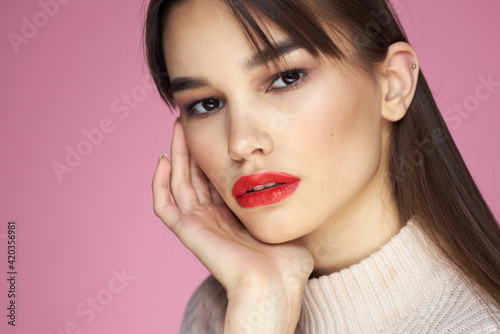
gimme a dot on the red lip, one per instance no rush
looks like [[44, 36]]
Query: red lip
[[288, 184]]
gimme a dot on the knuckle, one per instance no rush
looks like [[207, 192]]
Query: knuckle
[[156, 210]]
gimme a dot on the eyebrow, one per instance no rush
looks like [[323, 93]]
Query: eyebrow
[[263, 57], [271, 54], [186, 83]]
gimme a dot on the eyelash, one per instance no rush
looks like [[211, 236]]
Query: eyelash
[[302, 72], [273, 79]]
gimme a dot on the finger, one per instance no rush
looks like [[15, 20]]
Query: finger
[[199, 182], [214, 194], [162, 203], [180, 180]]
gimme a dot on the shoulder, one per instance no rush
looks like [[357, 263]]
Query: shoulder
[[459, 307], [206, 309], [468, 310]]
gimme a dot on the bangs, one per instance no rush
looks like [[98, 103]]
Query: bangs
[[368, 27], [294, 18]]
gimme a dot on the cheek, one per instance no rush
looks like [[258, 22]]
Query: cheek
[[341, 134], [342, 122], [209, 150], [357, 140]]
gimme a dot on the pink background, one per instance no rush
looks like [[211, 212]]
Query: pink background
[[72, 74]]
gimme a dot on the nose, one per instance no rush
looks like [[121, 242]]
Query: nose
[[249, 135]]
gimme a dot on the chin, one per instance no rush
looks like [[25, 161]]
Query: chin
[[272, 240], [279, 231]]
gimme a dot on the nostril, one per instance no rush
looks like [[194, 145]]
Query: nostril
[[243, 147], [249, 132]]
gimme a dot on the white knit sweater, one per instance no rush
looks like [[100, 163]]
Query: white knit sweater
[[405, 287]]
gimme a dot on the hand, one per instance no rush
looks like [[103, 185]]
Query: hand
[[209, 229]]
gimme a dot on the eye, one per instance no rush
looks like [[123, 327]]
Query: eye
[[206, 106], [285, 79]]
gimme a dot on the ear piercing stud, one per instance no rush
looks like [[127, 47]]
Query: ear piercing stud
[[414, 66]]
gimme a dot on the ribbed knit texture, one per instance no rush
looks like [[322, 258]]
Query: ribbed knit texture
[[405, 287]]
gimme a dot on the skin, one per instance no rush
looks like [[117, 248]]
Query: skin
[[329, 126]]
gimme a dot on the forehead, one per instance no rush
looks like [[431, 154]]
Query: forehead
[[190, 11], [195, 31]]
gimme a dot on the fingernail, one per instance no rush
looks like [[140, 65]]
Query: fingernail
[[177, 119], [163, 155]]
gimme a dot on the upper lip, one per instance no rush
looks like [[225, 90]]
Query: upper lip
[[247, 182]]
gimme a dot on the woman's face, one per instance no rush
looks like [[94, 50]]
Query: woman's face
[[317, 120]]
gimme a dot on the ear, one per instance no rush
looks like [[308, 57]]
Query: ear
[[398, 76]]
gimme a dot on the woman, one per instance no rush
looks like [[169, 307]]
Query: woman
[[313, 174]]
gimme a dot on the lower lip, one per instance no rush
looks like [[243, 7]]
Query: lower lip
[[268, 196]]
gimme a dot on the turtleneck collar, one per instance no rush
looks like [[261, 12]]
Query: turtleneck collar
[[380, 291]]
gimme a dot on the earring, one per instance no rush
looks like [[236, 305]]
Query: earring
[[414, 66]]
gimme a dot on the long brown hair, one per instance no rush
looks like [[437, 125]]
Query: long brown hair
[[428, 175]]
